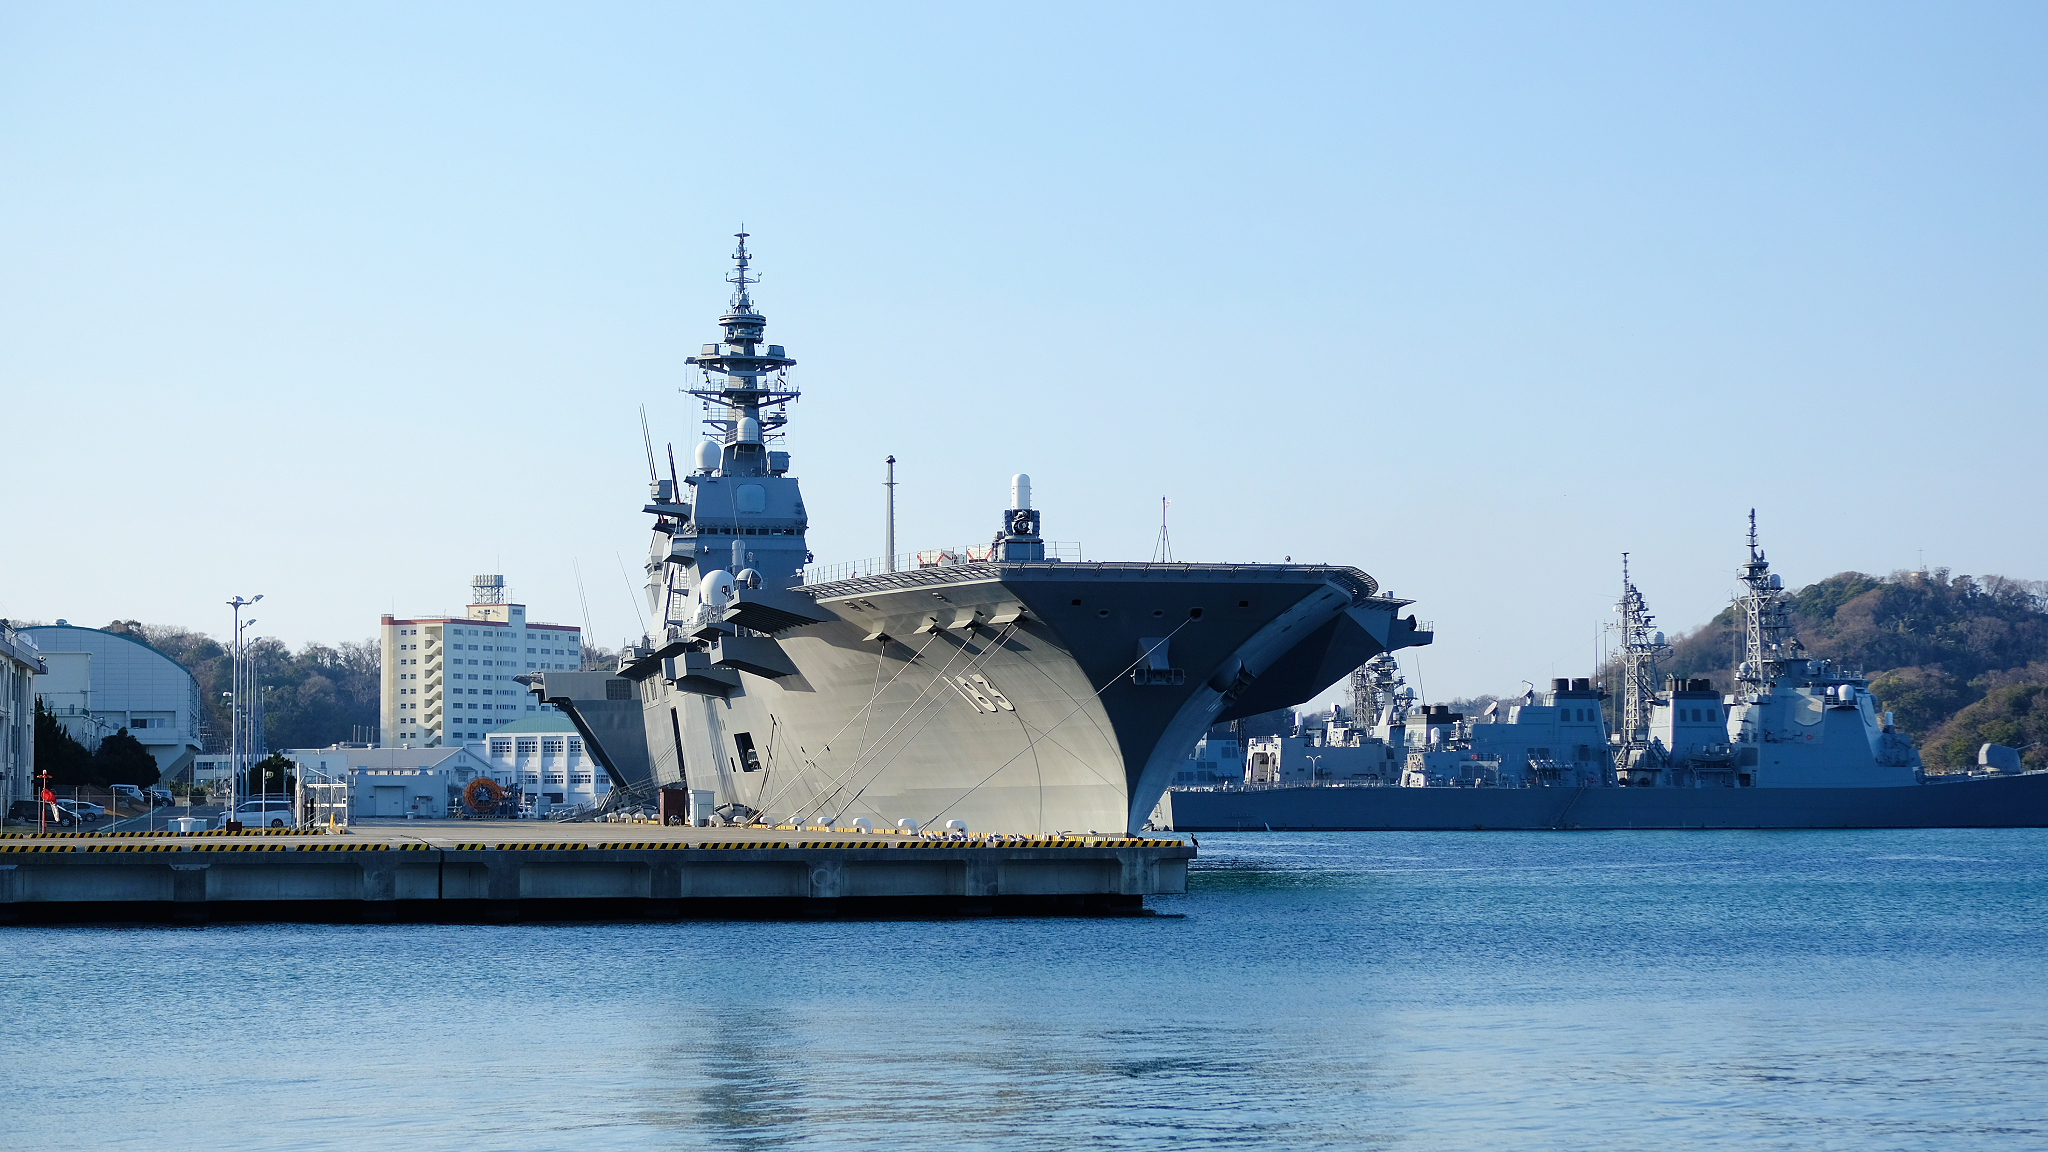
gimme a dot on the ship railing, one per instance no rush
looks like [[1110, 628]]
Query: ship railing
[[1356, 582], [1276, 785], [1065, 551]]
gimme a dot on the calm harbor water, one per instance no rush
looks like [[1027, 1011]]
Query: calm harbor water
[[1798, 990]]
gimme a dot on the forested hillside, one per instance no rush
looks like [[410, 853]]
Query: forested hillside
[[314, 697], [1959, 660]]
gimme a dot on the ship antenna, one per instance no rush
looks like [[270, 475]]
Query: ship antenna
[[647, 438], [739, 277]]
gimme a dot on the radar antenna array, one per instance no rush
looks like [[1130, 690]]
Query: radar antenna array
[[1641, 647]]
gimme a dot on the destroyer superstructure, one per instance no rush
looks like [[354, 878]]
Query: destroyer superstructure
[[1798, 743], [1013, 693]]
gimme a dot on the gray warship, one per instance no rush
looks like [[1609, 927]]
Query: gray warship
[[1798, 743], [1011, 693]]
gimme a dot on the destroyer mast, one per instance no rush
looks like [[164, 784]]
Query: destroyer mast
[[1768, 643], [1641, 647]]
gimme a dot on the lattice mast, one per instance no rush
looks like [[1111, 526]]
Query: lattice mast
[[1641, 647], [1768, 642], [1375, 685]]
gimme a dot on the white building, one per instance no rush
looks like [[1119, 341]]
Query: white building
[[543, 756], [211, 771], [417, 782], [20, 664], [100, 682], [448, 679]]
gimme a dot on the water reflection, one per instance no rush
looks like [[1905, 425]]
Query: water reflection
[[1426, 991], [1008, 1081]]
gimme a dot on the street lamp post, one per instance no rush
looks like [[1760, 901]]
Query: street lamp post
[[235, 742]]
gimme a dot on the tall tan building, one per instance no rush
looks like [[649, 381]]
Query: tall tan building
[[448, 679]]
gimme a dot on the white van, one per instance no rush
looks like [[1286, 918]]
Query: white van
[[263, 814]]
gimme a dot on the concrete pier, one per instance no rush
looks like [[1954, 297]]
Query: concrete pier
[[490, 871]]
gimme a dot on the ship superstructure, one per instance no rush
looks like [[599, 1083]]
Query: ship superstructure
[[1014, 693], [1794, 721], [1798, 743]]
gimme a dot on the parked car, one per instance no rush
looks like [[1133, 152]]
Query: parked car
[[33, 812], [263, 814], [128, 792], [160, 796], [84, 809]]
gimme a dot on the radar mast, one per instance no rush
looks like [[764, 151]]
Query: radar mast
[[1769, 644], [1641, 646], [733, 406]]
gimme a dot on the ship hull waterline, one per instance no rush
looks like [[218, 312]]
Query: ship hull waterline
[[1978, 802]]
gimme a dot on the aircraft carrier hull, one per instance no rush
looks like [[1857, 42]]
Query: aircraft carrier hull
[[1013, 697], [1975, 802]]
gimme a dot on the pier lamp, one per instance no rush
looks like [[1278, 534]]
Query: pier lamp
[[235, 702]]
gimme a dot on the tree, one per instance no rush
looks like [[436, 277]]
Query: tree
[[269, 775], [2015, 715], [1919, 699], [60, 758], [121, 759]]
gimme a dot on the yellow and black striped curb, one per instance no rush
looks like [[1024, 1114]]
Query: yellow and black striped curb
[[161, 833], [183, 847]]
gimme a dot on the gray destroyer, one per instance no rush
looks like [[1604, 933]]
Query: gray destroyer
[[1010, 694], [1799, 743]]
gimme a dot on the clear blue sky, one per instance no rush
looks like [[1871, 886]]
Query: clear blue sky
[[343, 303]]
